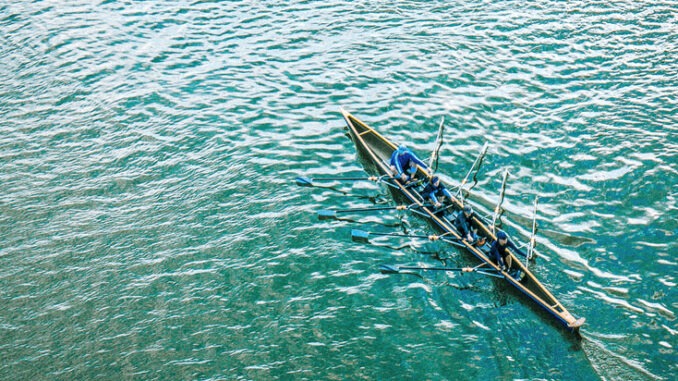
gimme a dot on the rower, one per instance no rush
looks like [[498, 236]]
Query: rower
[[463, 223], [436, 188], [499, 252], [404, 164]]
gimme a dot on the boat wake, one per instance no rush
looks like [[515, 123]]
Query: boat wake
[[610, 365]]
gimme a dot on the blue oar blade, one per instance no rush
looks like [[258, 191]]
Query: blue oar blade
[[325, 214], [388, 269], [359, 235], [304, 182]]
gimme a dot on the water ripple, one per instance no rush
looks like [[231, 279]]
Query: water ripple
[[151, 226]]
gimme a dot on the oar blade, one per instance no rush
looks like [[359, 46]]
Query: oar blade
[[483, 150], [326, 214], [533, 236], [388, 269], [476, 164], [433, 162], [480, 162], [360, 236], [498, 210], [304, 182]]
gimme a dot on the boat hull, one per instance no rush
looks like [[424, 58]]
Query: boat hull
[[375, 151]]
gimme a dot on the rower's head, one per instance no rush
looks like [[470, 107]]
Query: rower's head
[[402, 148], [435, 180], [502, 238], [468, 210]]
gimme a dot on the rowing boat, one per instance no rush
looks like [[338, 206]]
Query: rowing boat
[[375, 151]]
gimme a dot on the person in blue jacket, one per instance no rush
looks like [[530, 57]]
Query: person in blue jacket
[[404, 164], [499, 252], [435, 189]]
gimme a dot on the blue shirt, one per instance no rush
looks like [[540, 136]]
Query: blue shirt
[[431, 191], [401, 160]]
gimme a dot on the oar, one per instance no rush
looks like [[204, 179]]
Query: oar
[[391, 269], [358, 235], [533, 242], [362, 236], [308, 182], [328, 213], [433, 163], [497, 209], [483, 151], [454, 242]]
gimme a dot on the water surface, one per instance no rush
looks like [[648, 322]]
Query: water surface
[[151, 227]]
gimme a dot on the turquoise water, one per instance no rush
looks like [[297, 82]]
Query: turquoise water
[[151, 227]]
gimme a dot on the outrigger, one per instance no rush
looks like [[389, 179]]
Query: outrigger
[[376, 150]]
